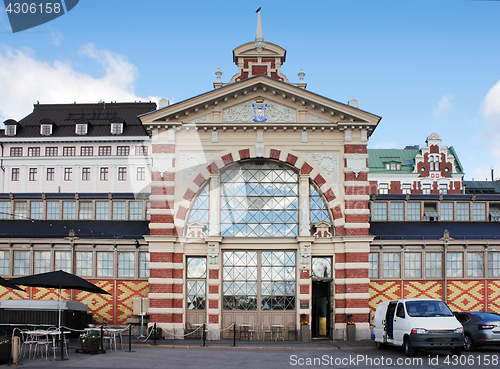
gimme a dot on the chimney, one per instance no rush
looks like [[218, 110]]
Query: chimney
[[354, 103], [163, 103]]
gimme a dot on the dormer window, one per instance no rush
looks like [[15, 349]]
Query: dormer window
[[81, 128], [116, 128], [46, 129], [10, 130]]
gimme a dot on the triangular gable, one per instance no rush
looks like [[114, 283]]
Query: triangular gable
[[214, 106]]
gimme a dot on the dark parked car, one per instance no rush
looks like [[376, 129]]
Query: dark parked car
[[480, 329]]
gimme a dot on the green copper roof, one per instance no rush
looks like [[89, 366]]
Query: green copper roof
[[378, 158]]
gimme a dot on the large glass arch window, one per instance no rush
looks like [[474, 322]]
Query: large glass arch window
[[259, 199], [318, 211]]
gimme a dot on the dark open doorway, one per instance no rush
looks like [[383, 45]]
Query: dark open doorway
[[321, 311]]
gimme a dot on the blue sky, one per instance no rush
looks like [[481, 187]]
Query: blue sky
[[422, 65]]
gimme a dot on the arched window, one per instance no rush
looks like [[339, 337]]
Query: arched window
[[318, 210]]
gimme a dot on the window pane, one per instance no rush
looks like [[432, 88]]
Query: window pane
[[317, 209], [373, 269], [21, 210], [397, 211], [85, 210], [463, 211], [126, 264], [196, 267], [5, 212], [84, 263], [21, 263], [412, 265], [454, 264], [42, 262], [475, 264], [278, 280], [63, 261], [36, 210], [391, 265], [259, 200], [493, 264], [144, 264], [102, 210], [4, 263], [119, 210], [105, 264], [135, 210], [413, 211], [479, 211], [200, 210], [379, 211], [433, 265], [240, 280], [52, 209], [196, 290], [322, 267], [69, 209], [446, 211]]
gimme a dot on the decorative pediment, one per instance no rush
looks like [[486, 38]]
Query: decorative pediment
[[196, 230], [265, 111]]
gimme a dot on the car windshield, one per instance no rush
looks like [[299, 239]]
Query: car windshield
[[487, 316], [427, 308]]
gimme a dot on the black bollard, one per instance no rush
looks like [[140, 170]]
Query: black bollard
[[154, 334], [102, 340], [61, 340], [234, 334], [204, 337], [130, 338]]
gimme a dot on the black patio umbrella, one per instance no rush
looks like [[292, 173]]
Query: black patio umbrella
[[9, 284], [58, 279]]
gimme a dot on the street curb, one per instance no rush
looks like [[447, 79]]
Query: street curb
[[260, 347]]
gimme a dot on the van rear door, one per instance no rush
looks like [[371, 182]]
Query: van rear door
[[389, 321]]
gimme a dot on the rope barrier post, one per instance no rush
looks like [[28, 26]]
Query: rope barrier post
[[204, 336], [130, 338], [102, 340], [234, 334], [61, 341], [154, 334]]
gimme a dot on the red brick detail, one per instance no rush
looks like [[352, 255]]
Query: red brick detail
[[330, 196], [199, 180], [165, 303], [356, 273], [337, 212], [356, 204], [162, 190], [434, 149], [247, 61], [304, 274], [181, 213], [304, 289], [356, 218], [340, 304], [339, 231], [213, 304], [243, 75], [189, 194], [177, 318], [356, 257], [352, 288], [167, 177], [166, 257], [355, 149], [163, 273], [340, 273], [244, 154], [259, 69], [357, 232], [356, 318], [395, 187], [356, 190], [340, 258], [162, 218], [227, 159], [275, 154], [306, 169], [162, 204], [161, 318], [213, 319], [352, 177], [213, 289], [320, 181], [291, 159], [213, 274], [162, 232], [160, 148], [373, 187], [213, 169]]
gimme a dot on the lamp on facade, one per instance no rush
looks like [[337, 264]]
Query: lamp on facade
[[446, 241]]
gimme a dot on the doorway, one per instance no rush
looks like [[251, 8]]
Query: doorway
[[321, 311]]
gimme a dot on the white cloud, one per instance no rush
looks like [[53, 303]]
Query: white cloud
[[490, 108], [385, 145], [445, 104], [26, 80]]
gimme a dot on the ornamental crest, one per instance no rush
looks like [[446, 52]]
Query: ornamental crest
[[259, 109]]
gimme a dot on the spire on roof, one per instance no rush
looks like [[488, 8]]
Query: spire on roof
[[259, 38]]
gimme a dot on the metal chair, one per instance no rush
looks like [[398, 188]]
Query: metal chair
[[254, 330], [27, 340], [266, 329], [292, 331]]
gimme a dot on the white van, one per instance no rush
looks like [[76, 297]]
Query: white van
[[417, 324]]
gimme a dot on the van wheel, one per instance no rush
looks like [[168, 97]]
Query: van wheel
[[468, 344], [409, 350], [380, 345], [456, 351]]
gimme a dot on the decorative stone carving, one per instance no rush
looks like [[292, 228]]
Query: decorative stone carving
[[315, 119], [203, 119], [357, 163], [190, 161], [196, 230], [322, 229], [244, 113], [162, 163], [328, 161]]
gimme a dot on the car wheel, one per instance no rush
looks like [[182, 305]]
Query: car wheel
[[409, 350], [456, 351], [468, 344], [380, 345]]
